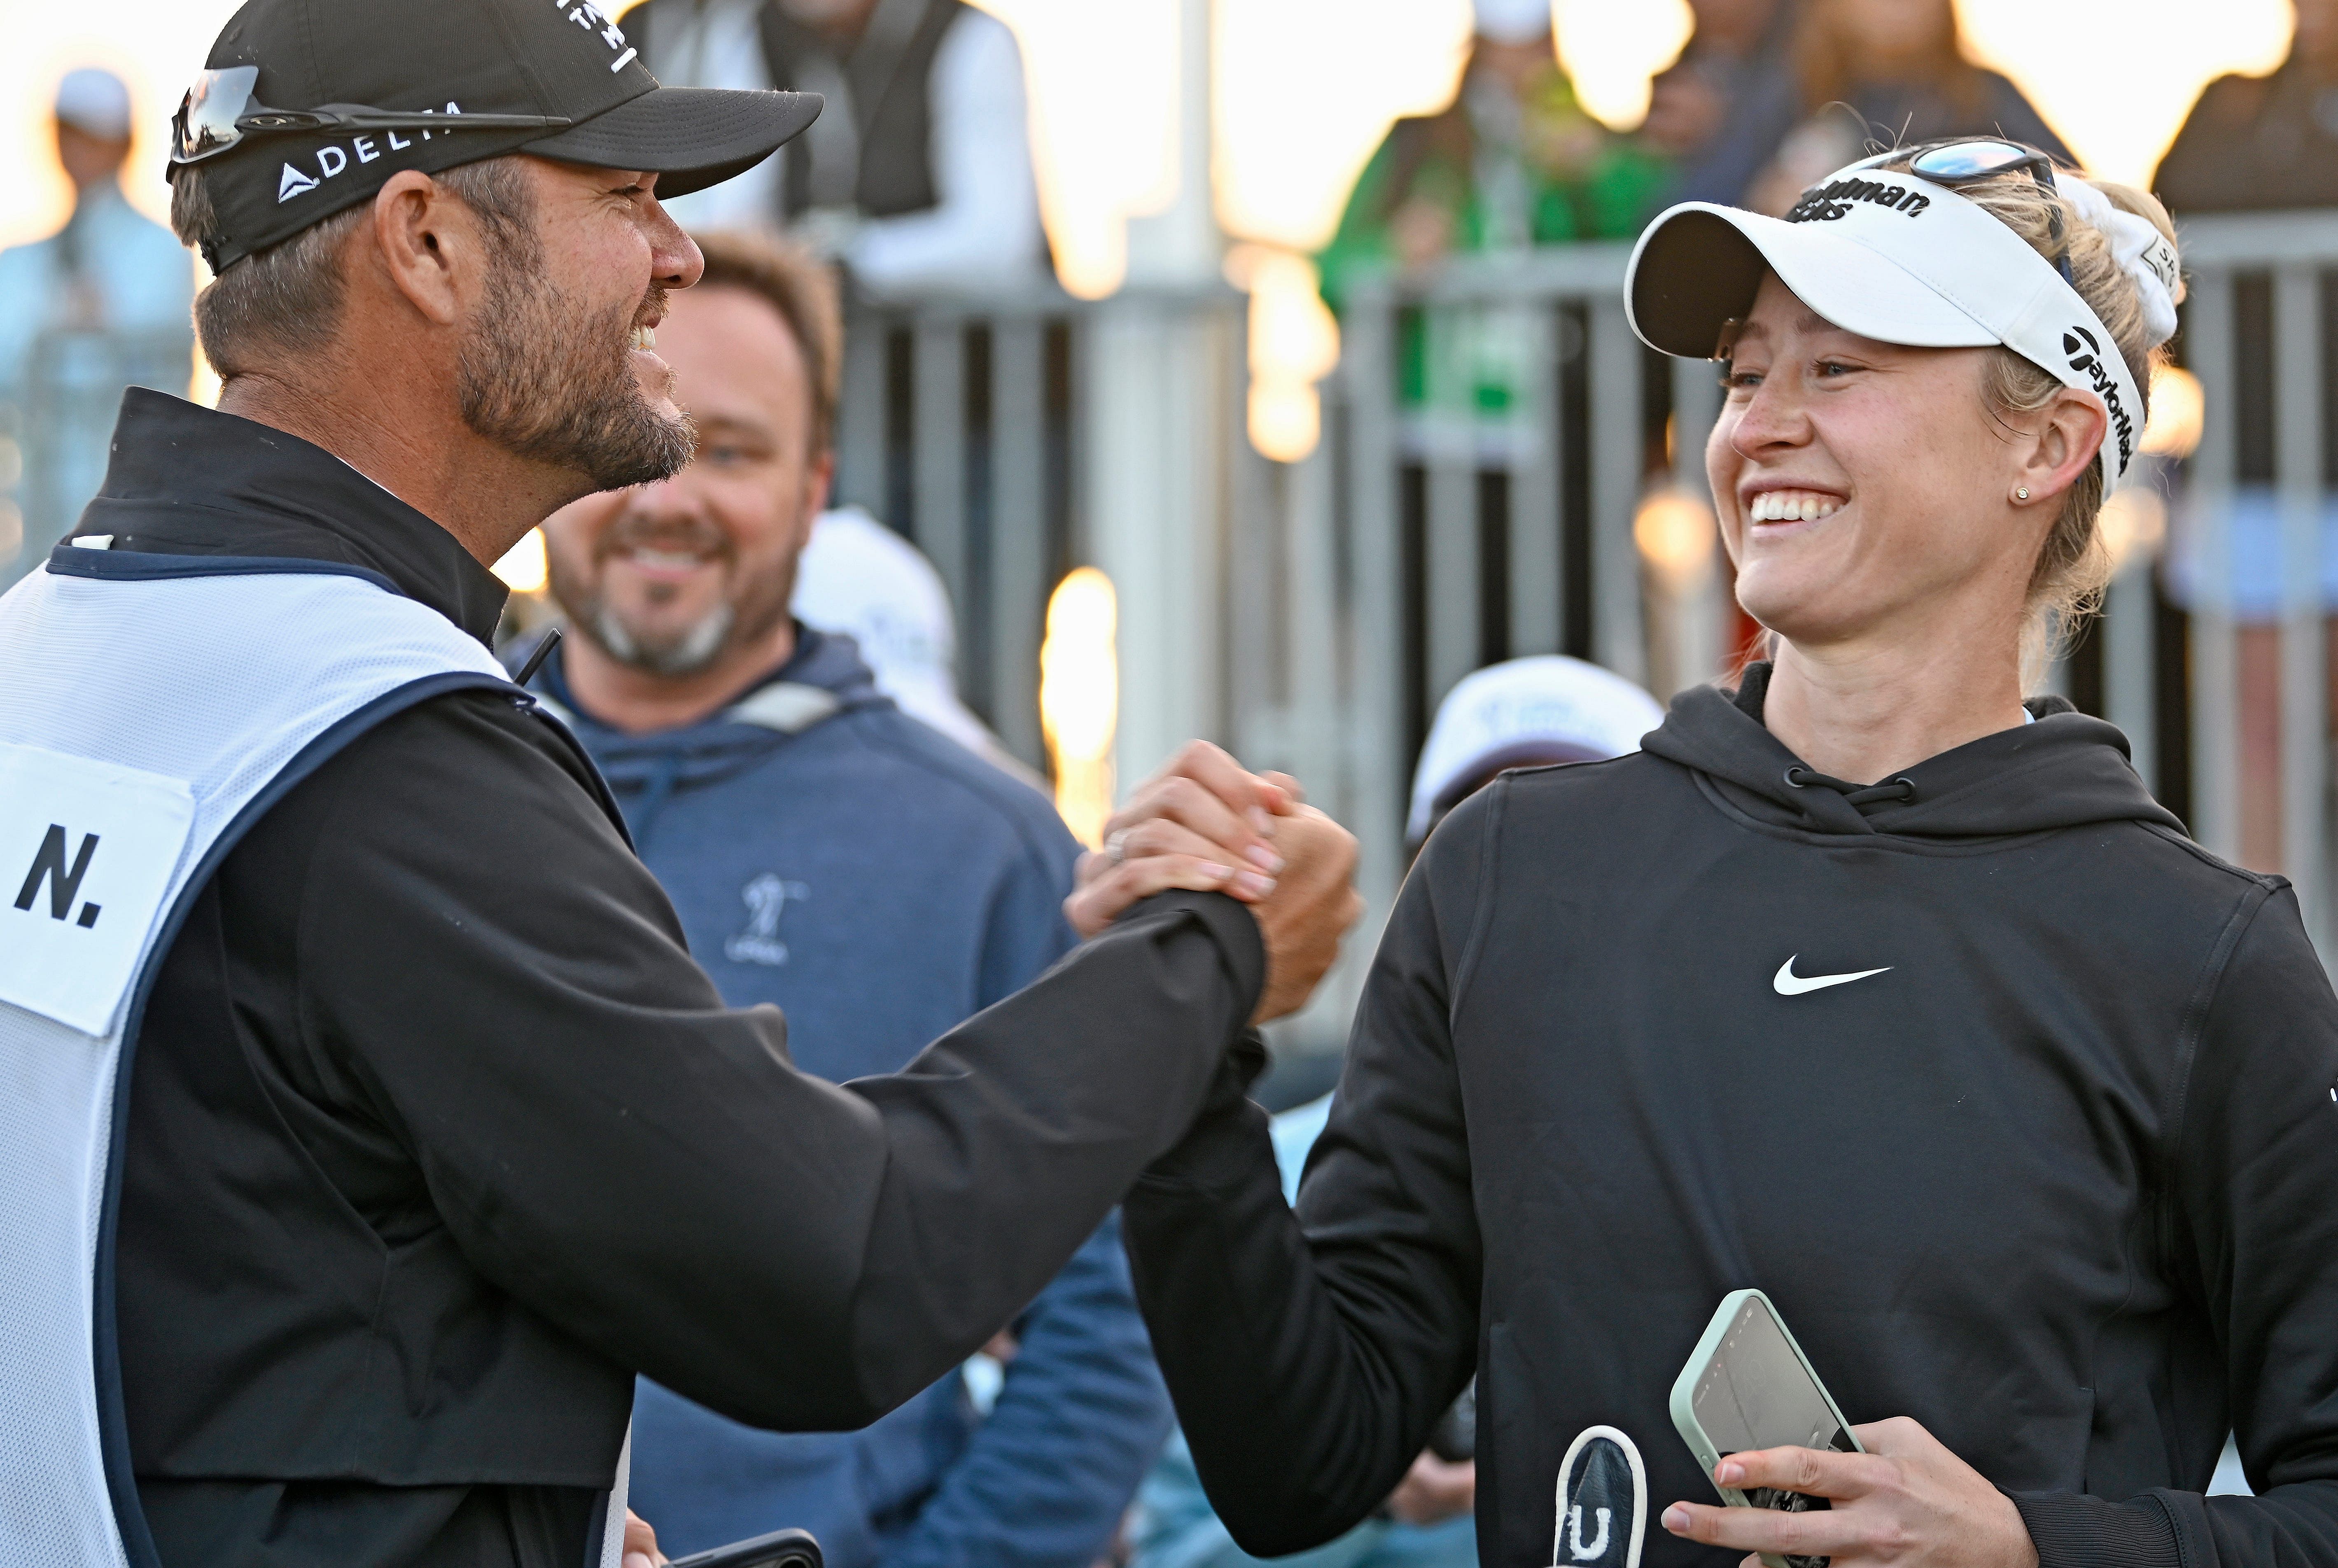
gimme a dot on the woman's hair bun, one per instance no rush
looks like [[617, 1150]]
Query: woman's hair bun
[[2139, 244]]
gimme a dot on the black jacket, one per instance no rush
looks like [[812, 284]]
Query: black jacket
[[2060, 1181], [437, 1135], [885, 71], [2256, 144]]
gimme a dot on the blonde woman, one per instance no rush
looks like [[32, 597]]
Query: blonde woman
[[1869, 984]]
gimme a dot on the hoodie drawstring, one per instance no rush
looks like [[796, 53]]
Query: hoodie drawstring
[[655, 793], [1861, 795]]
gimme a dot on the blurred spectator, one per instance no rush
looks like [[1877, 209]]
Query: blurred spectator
[[1720, 111], [2264, 141], [1891, 73], [1520, 714], [858, 577], [101, 304], [828, 853], [918, 173], [1513, 161]]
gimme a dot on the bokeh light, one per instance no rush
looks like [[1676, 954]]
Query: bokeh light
[[1295, 342], [2133, 523], [522, 569], [2116, 77], [1102, 82], [2178, 408], [1307, 89], [1675, 535], [1611, 50], [1079, 698]]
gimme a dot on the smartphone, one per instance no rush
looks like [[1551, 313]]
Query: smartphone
[[1748, 1385], [780, 1549]]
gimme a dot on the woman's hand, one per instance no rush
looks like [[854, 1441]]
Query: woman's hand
[[1434, 1490], [1907, 1501], [641, 1543], [1314, 903], [1205, 822]]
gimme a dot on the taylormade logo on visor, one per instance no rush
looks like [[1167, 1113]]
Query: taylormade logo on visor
[[2086, 357]]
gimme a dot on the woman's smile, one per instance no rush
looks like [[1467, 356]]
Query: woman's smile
[[1792, 505]]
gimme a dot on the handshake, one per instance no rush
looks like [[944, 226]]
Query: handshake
[[1207, 824]]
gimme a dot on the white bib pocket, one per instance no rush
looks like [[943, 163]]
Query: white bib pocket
[[88, 851]]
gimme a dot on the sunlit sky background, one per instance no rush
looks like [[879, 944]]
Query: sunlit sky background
[[1304, 89]]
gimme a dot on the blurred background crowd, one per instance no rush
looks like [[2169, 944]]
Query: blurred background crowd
[[1258, 371]]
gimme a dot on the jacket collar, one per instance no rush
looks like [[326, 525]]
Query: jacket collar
[[185, 480]]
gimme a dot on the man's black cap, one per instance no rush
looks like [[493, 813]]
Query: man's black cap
[[553, 58]]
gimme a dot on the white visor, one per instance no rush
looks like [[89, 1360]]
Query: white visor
[[1890, 257]]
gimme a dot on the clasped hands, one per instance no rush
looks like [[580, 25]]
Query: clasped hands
[[1207, 824]]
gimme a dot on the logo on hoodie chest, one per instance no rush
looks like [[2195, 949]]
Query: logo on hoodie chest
[[767, 898]]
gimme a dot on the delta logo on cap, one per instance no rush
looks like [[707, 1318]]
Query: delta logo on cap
[[333, 157]]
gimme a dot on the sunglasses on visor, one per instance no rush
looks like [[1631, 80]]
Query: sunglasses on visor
[[219, 112], [1967, 162]]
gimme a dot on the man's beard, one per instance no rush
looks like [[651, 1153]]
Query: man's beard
[[698, 645], [756, 606], [544, 379]]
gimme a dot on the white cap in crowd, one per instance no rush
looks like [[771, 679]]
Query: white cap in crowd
[[95, 102], [1514, 21], [1523, 712], [858, 577]]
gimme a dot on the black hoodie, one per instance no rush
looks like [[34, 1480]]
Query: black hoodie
[[2057, 1175]]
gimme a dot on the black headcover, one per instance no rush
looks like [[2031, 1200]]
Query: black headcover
[[1603, 1502]]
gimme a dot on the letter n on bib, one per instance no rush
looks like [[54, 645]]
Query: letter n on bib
[[87, 854]]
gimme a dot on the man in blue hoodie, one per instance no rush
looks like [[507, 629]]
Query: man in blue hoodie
[[870, 876]]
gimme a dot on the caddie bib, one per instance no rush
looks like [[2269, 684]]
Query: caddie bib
[[153, 708]]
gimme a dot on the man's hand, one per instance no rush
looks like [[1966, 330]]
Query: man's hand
[[1434, 1490], [1205, 822], [641, 1543], [1907, 1502], [1314, 904]]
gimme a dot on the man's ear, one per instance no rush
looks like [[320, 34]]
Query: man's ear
[[2072, 429], [817, 476], [426, 241]]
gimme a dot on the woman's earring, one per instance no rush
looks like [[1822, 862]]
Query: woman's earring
[[2021, 493]]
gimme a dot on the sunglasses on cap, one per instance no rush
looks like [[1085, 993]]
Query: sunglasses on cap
[[219, 112], [1967, 163]]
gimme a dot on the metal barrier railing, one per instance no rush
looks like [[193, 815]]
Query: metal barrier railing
[[955, 426], [56, 425], [2251, 561]]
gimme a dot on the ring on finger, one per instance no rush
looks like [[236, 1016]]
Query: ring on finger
[[1115, 846]]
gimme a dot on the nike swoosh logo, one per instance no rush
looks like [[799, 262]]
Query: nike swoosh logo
[[1786, 982]]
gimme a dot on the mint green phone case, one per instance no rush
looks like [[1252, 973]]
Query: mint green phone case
[[1683, 1398]]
